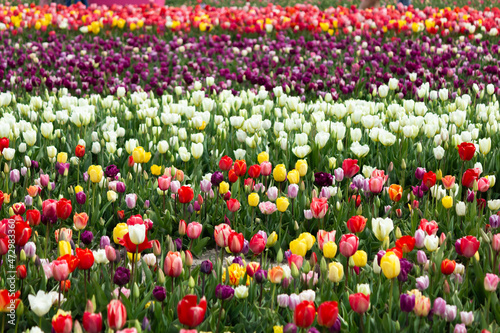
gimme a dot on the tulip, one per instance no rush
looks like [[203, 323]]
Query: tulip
[[304, 314], [491, 282], [275, 274], [235, 242], [359, 258], [324, 237], [356, 224], [279, 173], [407, 302], [319, 207], [450, 312], [359, 302], [221, 234], [190, 313], [62, 322], [390, 265], [41, 303], [329, 249], [448, 266], [467, 246], [422, 306], [439, 306], [194, 230], [173, 264], [382, 227], [224, 292], [335, 272], [422, 282], [253, 199], [282, 204], [92, 322], [327, 313], [137, 233], [257, 244], [348, 244], [117, 314], [301, 166], [186, 194], [298, 247], [350, 167], [466, 151], [86, 258], [225, 163]]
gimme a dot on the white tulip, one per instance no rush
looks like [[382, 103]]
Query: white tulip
[[301, 151], [184, 154], [382, 227], [239, 154], [197, 150], [438, 153], [321, 139], [485, 145], [494, 204], [359, 150], [51, 151], [393, 83], [30, 137], [100, 256], [41, 303], [431, 243], [120, 92], [46, 129], [355, 134], [137, 233], [162, 146]]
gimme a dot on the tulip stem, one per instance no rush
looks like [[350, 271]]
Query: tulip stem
[[272, 297], [347, 272], [59, 299], [47, 240], [488, 302], [361, 327], [391, 298], [220, 313], [217, 194]]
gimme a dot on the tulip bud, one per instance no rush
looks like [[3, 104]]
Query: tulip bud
[[385, 243], [484, 236], [20, 309], [161, 277], [398, 233], [296, 226], [22, 255], [295, 271], [306, 267], [419, 147], [323, 266], [191, 282], [279, 256]]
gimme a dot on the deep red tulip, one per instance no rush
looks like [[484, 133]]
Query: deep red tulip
[[232, 177], [235, 242], [190, 313], [240, 167], [448, 266], [186, 194], [304, 314], [225, 163], [4, 143], [359, 302], [63, 209], [466, 151], [254, 171], [92, 322], [80, 151], [327, 314], [470, 175], [33, 217], [429, 179], [233, 205], [350, 167], [257, 244]]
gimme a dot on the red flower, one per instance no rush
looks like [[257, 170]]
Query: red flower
[[117, 314], [186, 194], [304, 314], [232, 177], [62, 322], [19, 208], [131, 247], [235, 242], [80, 151], [429, 179], [430, 227], [4, 243], [356, 198], [92, 322], [72, 261], [135, 219], [240, 167], [257, 244], [406, 243], [350, 167], [33, 217], [327, 314], [21, 272], [4, 143], [233, 205], [470, 175], [22, 232], [356, 224], [297, 260], [397, 251], [448, 266], [86, 258], [131, 161], [468, 246], [63, 209], [319, 207], [348, 244], [6, 298], [254, 171], [190, 313], [121, 214], [225, 163], [359, 302], [466, 150], [49, 209], [1, 198]]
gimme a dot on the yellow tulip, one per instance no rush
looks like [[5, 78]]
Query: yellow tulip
[[223, 188], [335, 272], [78, 188], [64, 248], [138, 154], [272, 239], [390, 265], [137, 257], [147, 157], [360, 258], [298, 247], [282, 204], [62, 157], [95, 173], [253, 199], [301, 166], [156, 170], [119, 231], [263, 157], [447, 202], [279, 173], [329, 249], [112, 196], [293, 176], [308, 238]]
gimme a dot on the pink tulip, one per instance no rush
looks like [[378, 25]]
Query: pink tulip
[[483, 184], [267, 207], [348, 245], [60, 270], [173, 264], [266, 168], [164, 183], [194, 230], [221, 234], [376, 184], [491, 282]]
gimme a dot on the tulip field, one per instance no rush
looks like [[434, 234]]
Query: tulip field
[[240, 167]]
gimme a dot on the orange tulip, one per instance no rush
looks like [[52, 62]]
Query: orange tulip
[[395, 192], [275, 274]]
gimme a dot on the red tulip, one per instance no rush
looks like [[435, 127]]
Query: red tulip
[[190, 313], [186, 194], [4, 243], [430, 227], [72, 261], [252, 268], [7, 298], [240, 167], [327, 314], [19, 208], [22, 232], [257, 244], [233, 205], [448, 266], [60, 270], [131, 161], [466, 151], [62, 322], [350, 167], [359, 302], [21, 272], [92, 322], [63, 209], [297, 260], [470, 175], [429, 179], [49, 209], [221, 234], [406, 243], [468, 246], [235, 242], [117, 314], [80, 151], [182, 227], [33, 217], [86, 258], [356, 224], [4, 143], [225, 163], [304, 314], [348, 245], [397, 251], [131, 247], [254, 171], [232, 177], [356, 198], [173, 264], [319, 207]]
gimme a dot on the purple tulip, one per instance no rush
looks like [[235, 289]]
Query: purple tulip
[[159, 293], [81, 197], [290, 328], [339, 174], [120, 187], [422, 282], [122, 276], [206, 267], [105, 241], [419, 173], [406, 267], [224, 292], [323, 179], [111, 171], [494, 221], [217, 178], [407, 302], [439, 307], [87, 237]]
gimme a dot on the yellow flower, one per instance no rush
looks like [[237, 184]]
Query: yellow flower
[[223, 187], [279, 173], [62, 157], [253, 199], [95, 173], [137, 257], [119, 231], [112, 195], [272, 239], [447, 202], [78, 188], [147, 157], [138, 154], [277, 329], [64, 248], [156, 170], [263, 157], [335, 272], [360, 258], [390, 265], [298, 247], [301, 166], [329, 249], [439, 175], [308, 238], [293, 176], [282, 204], [133, 26]]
